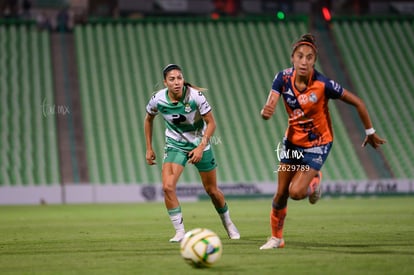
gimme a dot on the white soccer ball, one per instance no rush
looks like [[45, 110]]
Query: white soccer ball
[[201, 247]]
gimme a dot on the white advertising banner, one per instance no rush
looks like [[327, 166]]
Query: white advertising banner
[[135, 193]]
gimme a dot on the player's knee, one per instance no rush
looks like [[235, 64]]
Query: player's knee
[[168, 188], [297, 193], [210, 191], [213, 192]]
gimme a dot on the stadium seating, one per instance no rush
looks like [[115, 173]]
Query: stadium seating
[[378, 54], [120, 67], [28, 151]]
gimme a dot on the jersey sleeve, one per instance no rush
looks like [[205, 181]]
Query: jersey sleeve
[[278, 83], [152, 106], [202, 103], [333, 89]]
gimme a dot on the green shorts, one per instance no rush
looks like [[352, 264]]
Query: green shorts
[[207, 162]]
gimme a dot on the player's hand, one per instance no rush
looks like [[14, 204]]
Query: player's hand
[[374, 140], [195, 155], [267, 111], [150, 157]]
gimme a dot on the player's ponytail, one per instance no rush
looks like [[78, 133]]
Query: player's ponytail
[[195, 87]]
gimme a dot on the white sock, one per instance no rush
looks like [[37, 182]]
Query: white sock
[[176, 217], [177, 221], [225, 217]]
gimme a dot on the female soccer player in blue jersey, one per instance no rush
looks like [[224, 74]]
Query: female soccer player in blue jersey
[[189, 126], [309, 136]]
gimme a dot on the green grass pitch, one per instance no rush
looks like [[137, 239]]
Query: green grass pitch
[[335, 236]]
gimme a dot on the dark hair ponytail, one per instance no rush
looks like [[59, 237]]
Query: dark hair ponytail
[[195, 87]]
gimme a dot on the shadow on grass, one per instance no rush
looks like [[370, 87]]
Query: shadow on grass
[[356, 248]]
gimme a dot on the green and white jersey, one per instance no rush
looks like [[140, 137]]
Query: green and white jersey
[[183, 120]]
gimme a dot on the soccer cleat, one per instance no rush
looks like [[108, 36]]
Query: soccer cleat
[[316, 186], [179, 235], [272, 243], [232, 231]]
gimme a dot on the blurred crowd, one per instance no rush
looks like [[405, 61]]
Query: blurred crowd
[[51, 20], [63, 16], [64, 19]]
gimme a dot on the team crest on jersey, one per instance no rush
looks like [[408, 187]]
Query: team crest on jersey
[[187, 108], [313, 98], [303, 99]]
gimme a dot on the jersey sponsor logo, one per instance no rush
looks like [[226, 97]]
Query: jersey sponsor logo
[[178, 118], [291, 102], [303, 99], [296, 114], [205, 105], [335, 86]]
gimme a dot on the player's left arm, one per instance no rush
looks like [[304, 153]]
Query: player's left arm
[[371, 137], [197, 153]]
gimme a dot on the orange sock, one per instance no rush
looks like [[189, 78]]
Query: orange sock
[[277, 219]]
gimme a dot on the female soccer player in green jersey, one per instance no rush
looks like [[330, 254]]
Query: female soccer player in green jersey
[[189, 126]]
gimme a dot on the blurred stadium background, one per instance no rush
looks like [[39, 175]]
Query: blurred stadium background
[[76, 75]]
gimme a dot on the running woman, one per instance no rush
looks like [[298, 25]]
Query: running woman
[[308, 138], [189, 126]]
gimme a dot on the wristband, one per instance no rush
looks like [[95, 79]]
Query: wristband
[[369, 131]]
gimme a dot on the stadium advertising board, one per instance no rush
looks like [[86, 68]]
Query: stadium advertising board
[[136, 193]]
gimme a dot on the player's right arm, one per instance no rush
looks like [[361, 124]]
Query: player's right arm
[[274, 94], [270, 105], [148, 126]]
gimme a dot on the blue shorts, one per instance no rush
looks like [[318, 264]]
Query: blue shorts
[[313, 157], [206, 164]]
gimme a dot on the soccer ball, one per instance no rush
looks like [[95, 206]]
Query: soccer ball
[[201, 247]]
